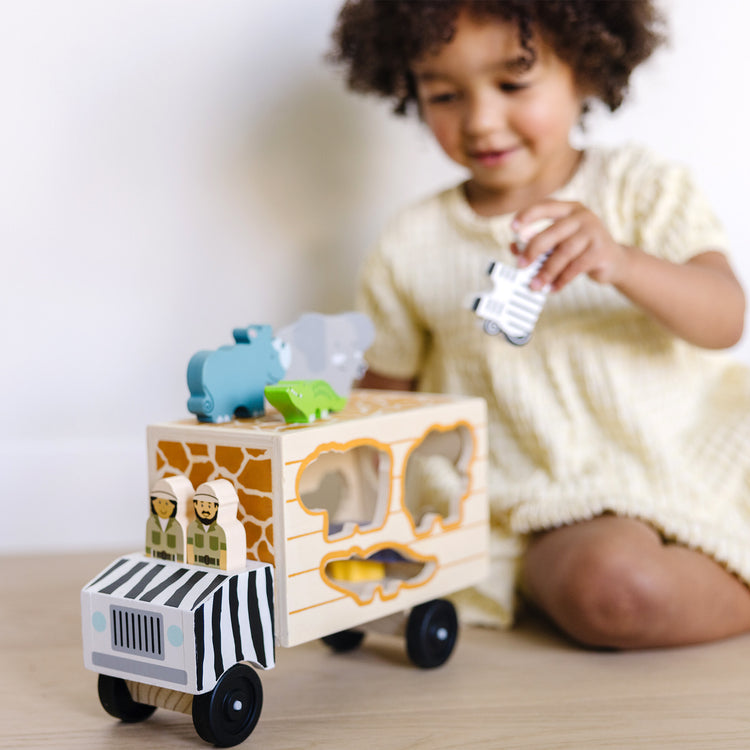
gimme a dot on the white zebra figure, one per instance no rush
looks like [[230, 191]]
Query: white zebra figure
[[511, 307]]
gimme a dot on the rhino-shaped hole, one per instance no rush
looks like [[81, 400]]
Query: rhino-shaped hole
[[436, 476], [350, 486]]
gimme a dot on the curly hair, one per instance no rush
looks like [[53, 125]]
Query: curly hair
[[602, 41]]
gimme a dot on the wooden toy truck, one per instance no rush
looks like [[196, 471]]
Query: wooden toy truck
[[350, 522]]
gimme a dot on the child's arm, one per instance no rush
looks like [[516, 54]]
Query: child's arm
[[701, 300], [383, 383]]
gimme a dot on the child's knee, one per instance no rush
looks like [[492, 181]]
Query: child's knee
[[611, 599]]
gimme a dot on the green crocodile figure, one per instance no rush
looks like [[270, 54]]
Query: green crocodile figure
[[304, 401]]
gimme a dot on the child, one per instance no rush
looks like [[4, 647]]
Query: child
[[618, 444]]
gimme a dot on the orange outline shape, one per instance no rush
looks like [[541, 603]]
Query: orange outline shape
[[336, 447], [407, 553], [439, 520]]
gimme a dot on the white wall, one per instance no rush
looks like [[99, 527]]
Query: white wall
[[171, 170]]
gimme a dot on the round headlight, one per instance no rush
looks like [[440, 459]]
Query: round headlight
[[99, 622], [175, 635]]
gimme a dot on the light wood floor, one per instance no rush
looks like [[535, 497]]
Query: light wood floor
[[527, 688]]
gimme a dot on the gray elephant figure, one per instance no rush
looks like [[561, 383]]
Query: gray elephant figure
[[329, 347]]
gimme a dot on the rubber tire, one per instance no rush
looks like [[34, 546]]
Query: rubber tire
[[116, 701], [431, 633], [344, 640], [216, 718]]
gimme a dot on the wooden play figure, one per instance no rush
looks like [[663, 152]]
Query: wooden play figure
[[304, 401], [229, 381], [328, 347], [215, 537], [166, 528], [512, 307]]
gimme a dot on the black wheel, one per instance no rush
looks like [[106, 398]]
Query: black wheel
[[343, 641], [431, 633], [228, 714], [116, 701]]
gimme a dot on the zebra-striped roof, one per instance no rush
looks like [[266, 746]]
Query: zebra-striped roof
[[143, 579]]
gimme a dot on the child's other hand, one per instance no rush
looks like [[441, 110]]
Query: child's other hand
[[580, 241]]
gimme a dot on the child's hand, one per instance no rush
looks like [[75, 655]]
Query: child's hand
[[580, 241]]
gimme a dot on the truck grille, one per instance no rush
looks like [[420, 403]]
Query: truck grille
[[137, 632]]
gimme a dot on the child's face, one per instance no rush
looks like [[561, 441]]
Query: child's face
[[508, 123]]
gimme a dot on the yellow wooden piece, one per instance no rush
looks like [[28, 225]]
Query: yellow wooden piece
[[356, 571]]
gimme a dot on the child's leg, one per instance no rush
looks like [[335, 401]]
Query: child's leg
[[612, 582]]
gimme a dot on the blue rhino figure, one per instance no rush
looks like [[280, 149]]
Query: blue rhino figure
[[230, 380]]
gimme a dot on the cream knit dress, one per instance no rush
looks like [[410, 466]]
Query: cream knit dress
[[603, 410]]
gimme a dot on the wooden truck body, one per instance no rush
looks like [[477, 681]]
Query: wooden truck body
[[370, 512]]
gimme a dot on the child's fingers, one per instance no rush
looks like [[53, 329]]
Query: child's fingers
[[565, 263], [550, 238], [549, 209], [577, 267], [579, 240]]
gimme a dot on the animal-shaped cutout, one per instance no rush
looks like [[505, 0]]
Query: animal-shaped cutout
[[171, 510], [230, 380], [303, 401], [329, 347], [216, 537]]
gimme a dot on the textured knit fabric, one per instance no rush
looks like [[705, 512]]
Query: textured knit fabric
[[603, 410]]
